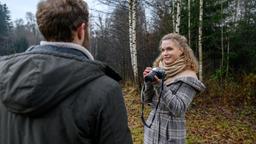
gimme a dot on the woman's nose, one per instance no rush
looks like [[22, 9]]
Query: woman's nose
[[164, 52]]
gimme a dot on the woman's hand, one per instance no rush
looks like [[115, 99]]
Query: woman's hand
[[147, 71], [156, 80]]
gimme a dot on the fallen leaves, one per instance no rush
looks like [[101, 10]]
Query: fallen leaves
[[205, 124]]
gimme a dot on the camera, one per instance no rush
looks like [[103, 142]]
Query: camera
[[159, 72]]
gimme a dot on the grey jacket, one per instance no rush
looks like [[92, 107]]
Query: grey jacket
[[52, 95], [169, 124]]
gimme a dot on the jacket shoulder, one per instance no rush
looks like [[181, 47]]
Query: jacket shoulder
[[107, 70]]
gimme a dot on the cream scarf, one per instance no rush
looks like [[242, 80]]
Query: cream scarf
[[172, 69]]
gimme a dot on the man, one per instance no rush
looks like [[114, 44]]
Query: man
[[55, 93]]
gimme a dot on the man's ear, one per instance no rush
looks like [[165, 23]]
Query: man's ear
[[86, 42], [81, 31]]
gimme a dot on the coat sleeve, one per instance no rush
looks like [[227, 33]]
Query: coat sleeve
[[113, 122], [147, 93], [177, 103]]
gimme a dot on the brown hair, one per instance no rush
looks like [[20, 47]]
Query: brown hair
[[57, 19], [181, 41]]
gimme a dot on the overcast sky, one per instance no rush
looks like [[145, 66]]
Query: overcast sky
[[18, 8]]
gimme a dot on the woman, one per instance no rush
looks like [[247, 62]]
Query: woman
[[179, 87]]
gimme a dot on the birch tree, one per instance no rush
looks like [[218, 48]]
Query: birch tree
[[132, 39], [177, 27], [200, 40], [237, 10], [173, 15]]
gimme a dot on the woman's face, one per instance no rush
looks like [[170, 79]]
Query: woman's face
[[170, 51]]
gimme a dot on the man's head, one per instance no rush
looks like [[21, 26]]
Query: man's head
[[63, 20]]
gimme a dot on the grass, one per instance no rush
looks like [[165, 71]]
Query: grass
[[206, 124]]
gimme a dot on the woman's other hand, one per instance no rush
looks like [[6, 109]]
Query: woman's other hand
[[147, 71]]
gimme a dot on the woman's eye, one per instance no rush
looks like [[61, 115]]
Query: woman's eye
[[166, 49], [169, 48]]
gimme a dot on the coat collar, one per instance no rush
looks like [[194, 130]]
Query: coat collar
[[69, 45]]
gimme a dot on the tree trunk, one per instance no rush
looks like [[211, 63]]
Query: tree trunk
[[237, 9], [132, 37], [173, 15], [177, 28], [222, 47], [228, 49], [189, 24], [200, 40]]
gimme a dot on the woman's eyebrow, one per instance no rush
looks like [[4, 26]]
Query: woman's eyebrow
[[169, 47]]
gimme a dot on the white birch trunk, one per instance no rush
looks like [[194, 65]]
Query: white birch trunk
[[132, 37], [177, 28], [173, 15], [237, 12], [238, 9], [200, 40], [189, 24]]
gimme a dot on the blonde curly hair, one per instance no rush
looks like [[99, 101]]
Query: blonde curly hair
[[181, 41]]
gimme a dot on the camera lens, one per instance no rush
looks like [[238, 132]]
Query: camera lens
[[150, 77], [159, 72]]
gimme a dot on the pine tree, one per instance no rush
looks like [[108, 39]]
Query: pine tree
[[5, 29], [5, 21]]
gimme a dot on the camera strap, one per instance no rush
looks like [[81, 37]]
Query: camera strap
[[142, 107]]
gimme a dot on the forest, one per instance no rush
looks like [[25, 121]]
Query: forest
[[222, 34]]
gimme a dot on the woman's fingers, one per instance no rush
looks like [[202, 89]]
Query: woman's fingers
[[147, 71]]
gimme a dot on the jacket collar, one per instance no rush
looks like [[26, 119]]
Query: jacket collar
[[68, 45]]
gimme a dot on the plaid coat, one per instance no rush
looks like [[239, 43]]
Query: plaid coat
[[169, 124]]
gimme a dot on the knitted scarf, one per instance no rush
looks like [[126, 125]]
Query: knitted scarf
[[171, 69]]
